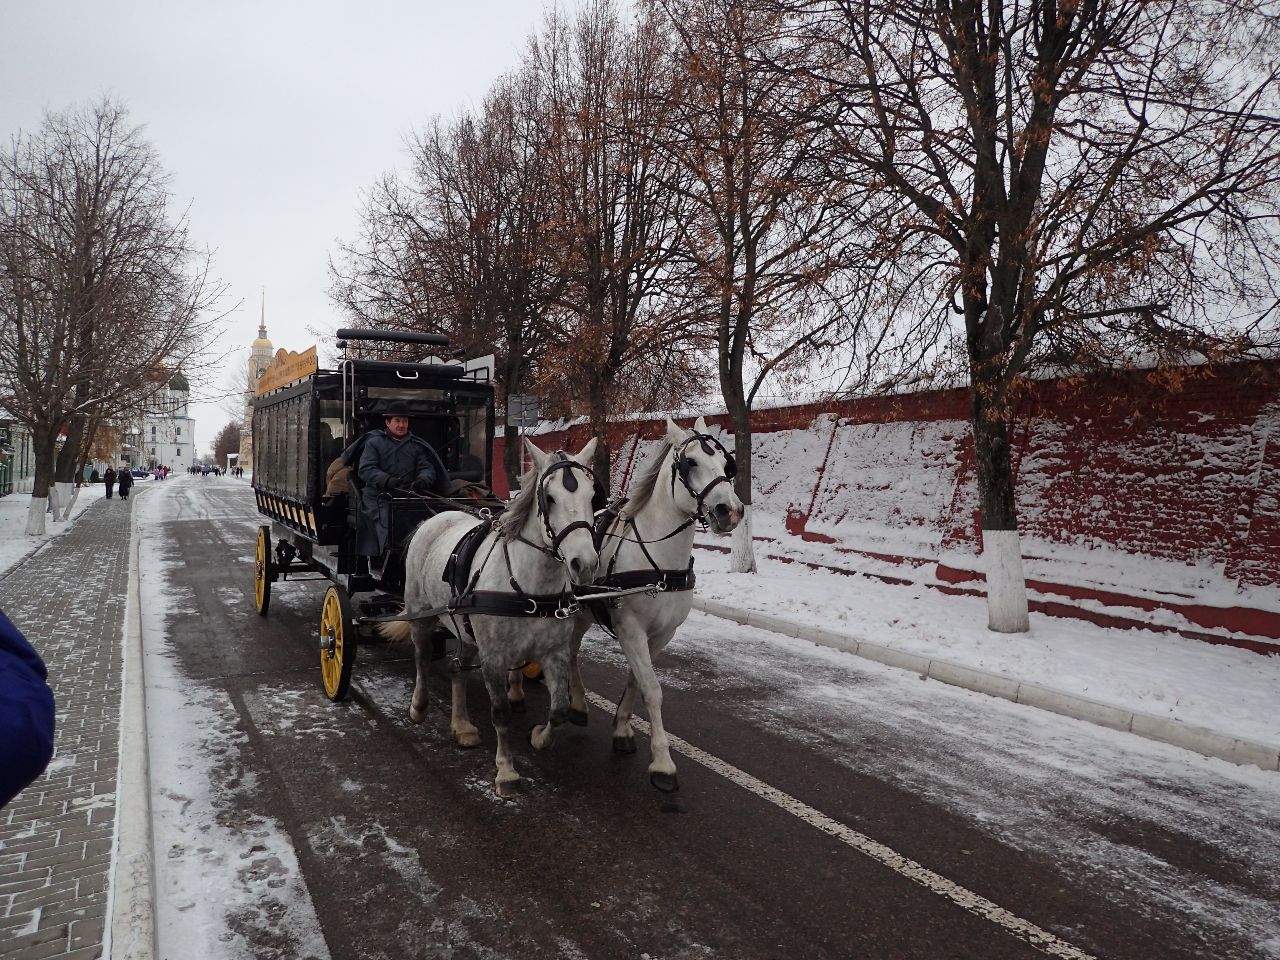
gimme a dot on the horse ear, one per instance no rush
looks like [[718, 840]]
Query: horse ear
[[675, 433], [587, 453], [700, 425], [540, 459]]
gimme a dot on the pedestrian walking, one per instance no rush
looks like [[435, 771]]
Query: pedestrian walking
[[109, 478], [26, 712], [124, 479]]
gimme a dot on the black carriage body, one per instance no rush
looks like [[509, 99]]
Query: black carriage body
[[300, 429]]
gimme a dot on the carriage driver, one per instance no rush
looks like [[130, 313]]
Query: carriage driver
[[393, 459]]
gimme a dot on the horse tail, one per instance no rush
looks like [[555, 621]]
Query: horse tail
[[395, 631]]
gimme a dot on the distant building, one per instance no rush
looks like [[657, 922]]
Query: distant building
[[17, 458], [259, 360], [168, 432]]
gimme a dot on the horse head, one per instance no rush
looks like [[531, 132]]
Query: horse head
[[566, 491], [702, 471]]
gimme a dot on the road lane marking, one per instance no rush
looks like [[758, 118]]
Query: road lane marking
[[964, 898]]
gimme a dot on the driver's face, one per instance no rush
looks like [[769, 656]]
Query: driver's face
[[397, 426]]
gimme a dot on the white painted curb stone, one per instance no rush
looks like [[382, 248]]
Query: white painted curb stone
[[132, 934]]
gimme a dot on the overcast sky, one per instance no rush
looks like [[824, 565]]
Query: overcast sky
[[270, 116]]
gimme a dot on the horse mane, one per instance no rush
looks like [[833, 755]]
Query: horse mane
[[646, 480], [512, 520]]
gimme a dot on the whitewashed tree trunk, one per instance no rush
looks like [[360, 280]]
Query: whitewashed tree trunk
[[1006, 584], [66, 497], [742, 554], [69, 499], [35, 516]]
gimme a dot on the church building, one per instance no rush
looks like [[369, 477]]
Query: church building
[[259, 360], [168, 431]]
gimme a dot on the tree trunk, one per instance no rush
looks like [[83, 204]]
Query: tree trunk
[[599, 425], [1001, 549], [511, 455], [43, 441], [742, 557]]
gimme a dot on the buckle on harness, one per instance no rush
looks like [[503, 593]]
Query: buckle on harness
[[564, 613]]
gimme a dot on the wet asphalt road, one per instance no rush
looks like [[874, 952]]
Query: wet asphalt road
[[1117, 847]]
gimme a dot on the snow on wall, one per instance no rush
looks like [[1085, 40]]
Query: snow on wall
[[1122, 483]]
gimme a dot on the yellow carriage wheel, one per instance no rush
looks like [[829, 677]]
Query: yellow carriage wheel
[[532, 671], [262, 572], [337, 643]]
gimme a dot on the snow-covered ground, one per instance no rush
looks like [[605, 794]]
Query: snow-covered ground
[[1223, 688]]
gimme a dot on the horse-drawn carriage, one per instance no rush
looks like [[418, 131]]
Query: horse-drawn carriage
[[307, 423], [515, 589]]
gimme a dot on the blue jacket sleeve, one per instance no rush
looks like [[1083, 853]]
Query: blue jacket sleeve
[[26, 712]]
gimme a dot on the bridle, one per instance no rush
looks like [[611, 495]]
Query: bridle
[[554, 539], [682, 469]]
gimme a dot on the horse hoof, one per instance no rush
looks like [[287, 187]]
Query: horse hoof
[[624, 745], [517, 706], [416, 715], [538, 738], [666, 782], [508, 789], [467, 740], [578, 717]]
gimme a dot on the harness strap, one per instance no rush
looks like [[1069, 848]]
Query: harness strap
[[674, 581], [495, 603], [499, 603]]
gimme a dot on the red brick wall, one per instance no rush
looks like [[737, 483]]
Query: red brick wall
[[1187, 474]]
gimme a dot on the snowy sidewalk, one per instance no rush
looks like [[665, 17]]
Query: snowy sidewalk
[[1179, 690], [56, 837]]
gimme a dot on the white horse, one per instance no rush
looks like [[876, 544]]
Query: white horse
[[650, 541], [518, 597]]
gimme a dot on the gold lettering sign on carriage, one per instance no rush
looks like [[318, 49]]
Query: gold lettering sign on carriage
[[287, 367]]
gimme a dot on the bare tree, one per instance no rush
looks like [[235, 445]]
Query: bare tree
[[1081, 183], [99, 286], [459, 247], [225, 442], [763, 240], [617, 206]]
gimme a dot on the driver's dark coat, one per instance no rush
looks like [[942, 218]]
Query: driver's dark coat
[[384, 465]]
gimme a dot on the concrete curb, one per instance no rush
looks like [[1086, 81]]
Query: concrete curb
[[1201, 740], [132, 911]]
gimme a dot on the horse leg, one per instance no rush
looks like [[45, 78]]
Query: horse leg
[[624, 738], [508, 781], [577, 691], [555, 668], [420, 631], [464, 731], [515, 690], [662, 769]]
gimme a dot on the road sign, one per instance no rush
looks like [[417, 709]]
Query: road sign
[[522, 410]]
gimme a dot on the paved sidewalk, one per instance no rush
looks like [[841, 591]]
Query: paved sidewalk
[[56, 837]]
